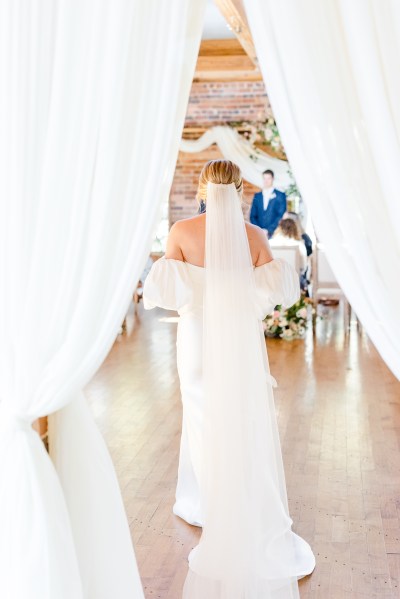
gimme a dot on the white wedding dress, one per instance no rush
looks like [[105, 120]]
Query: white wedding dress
[[231, 477], [176, 285]]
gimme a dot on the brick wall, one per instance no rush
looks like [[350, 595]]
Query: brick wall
[[211, 104], [217, 103]]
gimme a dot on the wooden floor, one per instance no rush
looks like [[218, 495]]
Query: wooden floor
[[338, 409]]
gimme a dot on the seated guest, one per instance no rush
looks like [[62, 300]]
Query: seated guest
[[288, 234], [268, 205], [305, 237]]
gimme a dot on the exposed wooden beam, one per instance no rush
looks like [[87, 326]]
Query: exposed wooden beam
[[222, 47], [225, 76], [235, 15], [224, 63], [224, 60]]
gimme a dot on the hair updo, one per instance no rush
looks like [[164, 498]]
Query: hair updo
[[218, 171]]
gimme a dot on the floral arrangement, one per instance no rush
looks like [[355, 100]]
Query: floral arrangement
[[262, 132], [291, 323], [269, 134]]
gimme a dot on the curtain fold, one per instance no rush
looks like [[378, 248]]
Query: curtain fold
[[251, 161], [92, 103], [340, 128], [101, 535]]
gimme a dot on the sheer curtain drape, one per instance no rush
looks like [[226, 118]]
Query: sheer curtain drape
[[332, 76], [92, 101], [251, 161]]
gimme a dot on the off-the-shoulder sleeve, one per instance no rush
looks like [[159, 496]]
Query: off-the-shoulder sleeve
[[167, 285], [277, 282]]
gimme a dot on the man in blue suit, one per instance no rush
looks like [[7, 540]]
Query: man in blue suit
[[269, 205]]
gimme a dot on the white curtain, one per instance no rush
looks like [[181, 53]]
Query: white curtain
[[332, 76], [251, 161], [92, 101]]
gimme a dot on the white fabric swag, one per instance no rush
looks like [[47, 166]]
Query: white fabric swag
[[340, 125], [92, 102], [233, 146]]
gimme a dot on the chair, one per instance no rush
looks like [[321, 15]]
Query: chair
[[325, 285], [289, 253]]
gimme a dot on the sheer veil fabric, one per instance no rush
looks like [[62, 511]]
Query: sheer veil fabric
[[247, 549]]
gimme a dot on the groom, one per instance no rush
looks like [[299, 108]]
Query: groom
[[269, 205]]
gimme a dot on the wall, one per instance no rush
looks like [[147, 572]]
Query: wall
[[217, 103]]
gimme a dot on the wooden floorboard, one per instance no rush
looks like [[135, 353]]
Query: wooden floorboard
[[338, 410]]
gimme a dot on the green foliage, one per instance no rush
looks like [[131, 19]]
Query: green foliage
[[290, 323]]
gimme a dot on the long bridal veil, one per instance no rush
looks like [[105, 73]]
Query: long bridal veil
[[247, 549]]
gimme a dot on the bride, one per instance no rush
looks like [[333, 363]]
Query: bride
[[219, 274]]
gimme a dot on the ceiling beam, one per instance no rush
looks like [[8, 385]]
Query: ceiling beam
[[224, 60], [235, 16], [226, 76]]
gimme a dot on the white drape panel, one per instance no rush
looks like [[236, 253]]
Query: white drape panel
[[251, 161], [92, 102], [332, 77], [97, 516]]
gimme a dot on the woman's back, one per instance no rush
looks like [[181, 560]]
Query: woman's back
[[186, 241]]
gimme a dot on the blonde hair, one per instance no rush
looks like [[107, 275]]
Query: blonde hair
[[218, 171]]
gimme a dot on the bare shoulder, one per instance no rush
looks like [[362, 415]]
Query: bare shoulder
[[178, 235], [187, 224], [259, 243], [256, 233], [184, 238]]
